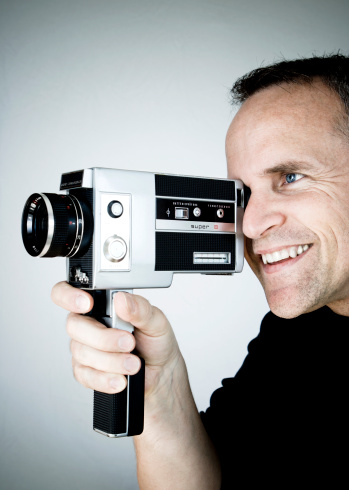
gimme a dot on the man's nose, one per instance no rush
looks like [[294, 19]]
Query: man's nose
[[262, 214]]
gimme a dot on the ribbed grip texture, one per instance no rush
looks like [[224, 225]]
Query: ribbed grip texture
[[121, 414], [110, 412]]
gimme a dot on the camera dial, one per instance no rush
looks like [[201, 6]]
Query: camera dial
[[56, 225]]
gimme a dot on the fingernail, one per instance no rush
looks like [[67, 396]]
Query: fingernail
[[125, 343], [131, 364], [82, 302], [117, 384], [129, 302]]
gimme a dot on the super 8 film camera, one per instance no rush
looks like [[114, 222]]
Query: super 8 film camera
[[121, 230]]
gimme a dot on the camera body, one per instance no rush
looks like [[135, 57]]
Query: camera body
[[148, 226], [125, 230]]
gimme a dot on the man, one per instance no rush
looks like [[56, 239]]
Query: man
[[282, 418]]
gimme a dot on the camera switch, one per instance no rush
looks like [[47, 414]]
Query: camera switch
[[220, 213], [182, 213], [197, 212]]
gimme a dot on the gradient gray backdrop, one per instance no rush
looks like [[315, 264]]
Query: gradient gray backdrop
[[131, 84]]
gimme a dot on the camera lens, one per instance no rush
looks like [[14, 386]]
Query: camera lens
[[56, 225]]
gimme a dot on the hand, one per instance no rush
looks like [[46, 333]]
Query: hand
[[101, 356]]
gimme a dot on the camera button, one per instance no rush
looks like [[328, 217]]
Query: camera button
[[115, 209], [115, 248]]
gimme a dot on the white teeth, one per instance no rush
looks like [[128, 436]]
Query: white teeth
[[293, 252], [285, 253], [276, 256]]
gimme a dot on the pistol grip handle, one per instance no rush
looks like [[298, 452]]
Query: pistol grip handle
[[119, 414]]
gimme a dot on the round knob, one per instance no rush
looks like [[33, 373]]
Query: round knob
[[115, 248], [197, 212], [220, 213]]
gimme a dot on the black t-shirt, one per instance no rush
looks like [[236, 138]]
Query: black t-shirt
[[283, 419]]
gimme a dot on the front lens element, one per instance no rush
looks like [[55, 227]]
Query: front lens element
[[56, 225], [35, 224]]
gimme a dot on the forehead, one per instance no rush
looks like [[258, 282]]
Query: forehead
[[283, 122]]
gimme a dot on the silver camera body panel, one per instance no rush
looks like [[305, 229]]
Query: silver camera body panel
[[149, 226]]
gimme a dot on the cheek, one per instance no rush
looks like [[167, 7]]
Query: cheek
[[251, 259], [326, 221]]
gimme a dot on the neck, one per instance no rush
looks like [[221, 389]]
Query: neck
[[340, 307]]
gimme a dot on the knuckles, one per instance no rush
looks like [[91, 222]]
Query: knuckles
[[76, 350], [87, 330], [78, 372], [71, 324], [95, 380]]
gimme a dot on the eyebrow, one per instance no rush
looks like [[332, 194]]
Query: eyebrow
[[289, 167]]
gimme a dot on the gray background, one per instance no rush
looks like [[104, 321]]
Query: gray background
[[140, 85]]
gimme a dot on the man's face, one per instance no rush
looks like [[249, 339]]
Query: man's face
[[286, 145]]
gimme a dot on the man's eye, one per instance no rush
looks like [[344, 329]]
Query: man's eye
[[291, 178]]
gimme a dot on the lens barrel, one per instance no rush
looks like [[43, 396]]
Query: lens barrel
[[56, 225]]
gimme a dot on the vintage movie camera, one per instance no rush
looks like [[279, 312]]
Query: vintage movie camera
[[125, 230]]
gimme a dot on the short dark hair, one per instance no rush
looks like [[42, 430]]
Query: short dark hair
[[331, 69]]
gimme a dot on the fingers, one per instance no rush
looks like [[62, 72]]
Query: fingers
[[132, 308], [88, 331], [71, 299], [95, 380], [101, 356], [114, 363], [102, 371]]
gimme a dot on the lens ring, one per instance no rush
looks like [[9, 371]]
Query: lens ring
[[65, 238], [51, 225], [56, 225], [79, 226]]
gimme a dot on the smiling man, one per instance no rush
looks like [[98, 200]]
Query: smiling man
[[287, 408], [282, 419], [290, 144]]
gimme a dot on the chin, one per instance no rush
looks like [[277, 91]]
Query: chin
[[286, 312], [284, 306]]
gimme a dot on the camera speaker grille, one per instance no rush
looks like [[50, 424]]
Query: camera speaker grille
[[175, 251], [194, 187]]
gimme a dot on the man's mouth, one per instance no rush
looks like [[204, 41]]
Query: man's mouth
[[285, 253]]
